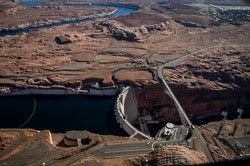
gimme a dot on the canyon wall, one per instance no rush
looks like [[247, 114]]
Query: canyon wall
[[126, 51], [196, 102], [205, 84]]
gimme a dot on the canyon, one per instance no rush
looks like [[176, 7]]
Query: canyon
[[126, 50]]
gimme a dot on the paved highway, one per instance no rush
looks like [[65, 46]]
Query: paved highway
[[144, 147], [134, 148], [125, 149], [184, 118]]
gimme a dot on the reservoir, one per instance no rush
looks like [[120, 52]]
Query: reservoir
[[60, 113]]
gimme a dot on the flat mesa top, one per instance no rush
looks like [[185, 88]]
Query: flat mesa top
[[77, 134]]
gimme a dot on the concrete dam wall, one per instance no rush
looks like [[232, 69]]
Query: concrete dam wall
[[126, 112]]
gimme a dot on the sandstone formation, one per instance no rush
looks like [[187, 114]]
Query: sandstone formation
[[133, 34], [133, 77], [6, 140], [45, 147], [65, 39], [13, 11], [126, 50], [215, 81], [224, 151], [175, 155]]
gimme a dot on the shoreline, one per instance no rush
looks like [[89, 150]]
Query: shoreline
[[53, 91], [50, 23], [40, 24]]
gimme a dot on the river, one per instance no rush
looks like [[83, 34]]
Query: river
[[121, 11], [60, 113]]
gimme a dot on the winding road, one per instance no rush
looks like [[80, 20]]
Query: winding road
[[132, 149], [184, 118]]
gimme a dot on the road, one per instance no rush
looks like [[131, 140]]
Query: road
[[173, 63], [125, 149], [142, 147], [134, 148], [184, 118], [181, 111]]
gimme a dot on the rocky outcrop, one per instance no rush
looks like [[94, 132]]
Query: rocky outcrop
[[119, 32], [2, 72], [133, 34], [13, 11], [6, 139], [133, 77], [175, 155], [65, 39], [54, 81], [219, 148], [205, 85], [190, 24]]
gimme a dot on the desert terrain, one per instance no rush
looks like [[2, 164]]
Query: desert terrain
[[104, 50], [49, 148], [127, 50]]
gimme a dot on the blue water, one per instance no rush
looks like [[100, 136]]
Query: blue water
[[121, 11]]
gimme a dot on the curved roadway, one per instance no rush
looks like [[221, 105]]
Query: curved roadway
[[184, 118], [173, 64]]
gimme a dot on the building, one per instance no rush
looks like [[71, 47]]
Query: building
[[169, 129], [76, 138]]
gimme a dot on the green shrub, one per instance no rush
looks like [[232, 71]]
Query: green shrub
[[156, 146], [169, 136], [162, 136], [189, 134]]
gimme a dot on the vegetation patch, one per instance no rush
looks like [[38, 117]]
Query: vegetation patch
[[189, 134]]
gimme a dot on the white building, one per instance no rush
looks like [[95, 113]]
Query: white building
[[169, 129]]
